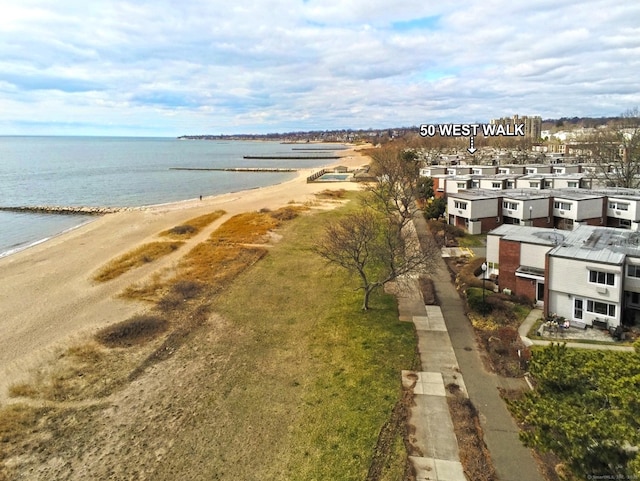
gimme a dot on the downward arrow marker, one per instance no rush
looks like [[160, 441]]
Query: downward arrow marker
[[471, 149]]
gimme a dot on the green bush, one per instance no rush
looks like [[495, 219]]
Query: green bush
[[476, 303]]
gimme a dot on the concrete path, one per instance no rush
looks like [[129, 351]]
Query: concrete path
[[511, 459], [434, 447]]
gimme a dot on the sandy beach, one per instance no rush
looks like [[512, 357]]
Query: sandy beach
[[48, 297]]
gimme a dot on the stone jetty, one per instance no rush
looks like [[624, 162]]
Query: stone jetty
[[54, 209]]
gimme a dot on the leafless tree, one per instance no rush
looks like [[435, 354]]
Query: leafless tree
[[615, 150], [375, 248], [397, 170]]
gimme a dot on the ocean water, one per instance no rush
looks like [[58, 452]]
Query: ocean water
[[122, 172]]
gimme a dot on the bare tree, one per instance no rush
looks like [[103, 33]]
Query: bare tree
[[615, 150], [397, 170], [375, 248]]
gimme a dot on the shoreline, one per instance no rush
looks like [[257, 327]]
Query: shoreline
[[94, 211], [47, 292]]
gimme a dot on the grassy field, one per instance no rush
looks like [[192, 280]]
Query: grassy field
[[289, 379], [311, 379]]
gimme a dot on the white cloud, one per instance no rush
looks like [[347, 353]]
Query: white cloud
[[167, 66]]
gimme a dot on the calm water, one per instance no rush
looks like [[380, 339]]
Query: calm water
[[87, 171]]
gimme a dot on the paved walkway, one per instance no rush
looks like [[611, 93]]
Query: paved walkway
[[511, 459], [434, 447]]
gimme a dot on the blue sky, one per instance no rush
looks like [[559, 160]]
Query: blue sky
[[168, 67]]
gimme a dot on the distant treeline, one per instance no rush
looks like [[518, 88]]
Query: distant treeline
[[586, 122]]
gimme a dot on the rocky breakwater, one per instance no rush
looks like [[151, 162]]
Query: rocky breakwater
[[53, 209]]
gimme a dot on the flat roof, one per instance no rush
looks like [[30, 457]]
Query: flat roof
[[606, 245], [530, 235], [477, 194]]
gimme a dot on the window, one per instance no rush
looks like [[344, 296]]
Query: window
[[633, 271], [617, 205], [502, 170], [496, 185], [462, 185], [599, 277], [510, 205], [572, 185], [602, 308], [530, 170], [625, 223], [548, 184], [475, 184], [562, 205], [558, 170], [534, 185], [476, 171], [635, 298], [511, 184], [460, 205]]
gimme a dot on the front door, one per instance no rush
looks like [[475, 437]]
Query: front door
[[540, 292]]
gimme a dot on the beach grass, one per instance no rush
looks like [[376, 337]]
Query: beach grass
[[246, 228], [327, 374], [192, 226], [231, 248], [292, 374], [137, 257]]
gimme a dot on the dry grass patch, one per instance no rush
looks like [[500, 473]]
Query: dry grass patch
[[289, 212], [135, 258], [137, 330], [246, 228], [14, 420], [147, 291], [216, 265], [192, 226], [82, 372], [474, 455], [332, 194]]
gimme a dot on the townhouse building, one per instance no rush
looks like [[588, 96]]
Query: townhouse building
[[590, 275], [479, 210]]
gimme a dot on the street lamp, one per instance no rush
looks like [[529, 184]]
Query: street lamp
[[484, 277]]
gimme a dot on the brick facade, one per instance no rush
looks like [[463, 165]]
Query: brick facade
[[525, 287], [509, 261], [490, 223]]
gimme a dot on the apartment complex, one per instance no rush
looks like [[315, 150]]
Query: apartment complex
[[480, 210], [532, 125], [590, 275]]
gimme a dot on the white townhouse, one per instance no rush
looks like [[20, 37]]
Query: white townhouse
[[623, 210], [511, 169], [574, 207], [590, 276]]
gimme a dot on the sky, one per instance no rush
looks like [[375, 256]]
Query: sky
[[188, 67]]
